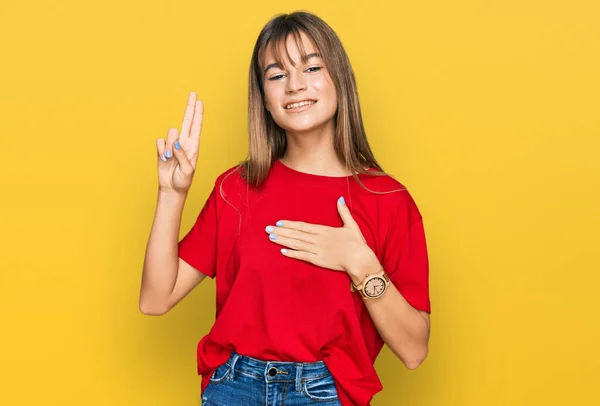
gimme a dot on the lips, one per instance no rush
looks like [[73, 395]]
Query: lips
[[285, 106]]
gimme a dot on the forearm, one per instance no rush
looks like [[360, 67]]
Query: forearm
[[161, 259], [402, 327]]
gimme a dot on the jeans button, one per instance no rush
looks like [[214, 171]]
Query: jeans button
[[272, 371]]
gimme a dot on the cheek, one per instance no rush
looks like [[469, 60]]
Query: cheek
[[271, 95], [326, 89], [268, 98]]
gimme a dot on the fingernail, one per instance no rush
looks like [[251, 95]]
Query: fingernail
[[163, 157], [342, 201], [279, 223], [177, 145], [269, 229], [272, 236], [169, 153], [283, 250]]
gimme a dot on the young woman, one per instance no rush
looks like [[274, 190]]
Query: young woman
[[319, 256]]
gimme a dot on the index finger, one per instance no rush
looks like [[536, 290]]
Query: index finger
[[301, 226]]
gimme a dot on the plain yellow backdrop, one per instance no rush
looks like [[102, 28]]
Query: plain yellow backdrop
[[487, 111]]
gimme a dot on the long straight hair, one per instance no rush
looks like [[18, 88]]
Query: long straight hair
[[267, 141]]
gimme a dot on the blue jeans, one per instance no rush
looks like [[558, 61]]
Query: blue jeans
[[246, 381]]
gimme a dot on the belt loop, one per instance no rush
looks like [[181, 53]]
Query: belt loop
[[298, 377], [234, 359]]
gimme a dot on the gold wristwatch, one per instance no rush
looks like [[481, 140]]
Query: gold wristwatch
[[373, 286]]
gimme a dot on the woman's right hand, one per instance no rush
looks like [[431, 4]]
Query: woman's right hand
[[178, 156]]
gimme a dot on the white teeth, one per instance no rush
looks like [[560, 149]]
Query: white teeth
[[302, 103]]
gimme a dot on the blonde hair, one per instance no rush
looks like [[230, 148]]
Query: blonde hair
[[267, 141]]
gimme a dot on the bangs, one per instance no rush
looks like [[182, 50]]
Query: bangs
[[276, 44], [267, 140]]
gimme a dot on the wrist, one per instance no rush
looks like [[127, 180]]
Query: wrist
[[366, 264], [171, 193], [171, 197]]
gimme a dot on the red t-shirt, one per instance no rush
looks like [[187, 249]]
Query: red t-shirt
[[272, 307]]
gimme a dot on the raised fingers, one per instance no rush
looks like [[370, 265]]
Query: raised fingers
[[197, 121], [188, 117]]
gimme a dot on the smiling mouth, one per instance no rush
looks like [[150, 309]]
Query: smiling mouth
[[300, 105]]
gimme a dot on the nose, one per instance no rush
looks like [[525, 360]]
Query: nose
[[295, 83]]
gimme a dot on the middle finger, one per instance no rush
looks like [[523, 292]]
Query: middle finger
[[291, 233], [187, 118]]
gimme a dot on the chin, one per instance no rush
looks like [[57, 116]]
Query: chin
[[308, 125], [300, 128]]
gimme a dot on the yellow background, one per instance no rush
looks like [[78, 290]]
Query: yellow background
[[487, 111]]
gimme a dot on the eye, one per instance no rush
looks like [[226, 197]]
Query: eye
[[312, 69]]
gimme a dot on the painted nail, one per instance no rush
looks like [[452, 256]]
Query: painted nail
[[272, 236], [177, 145], [269, 229], [283, 250], [342, 201], [163, 157], [279, 223], [169, 154]]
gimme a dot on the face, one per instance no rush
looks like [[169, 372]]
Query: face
[[307, 82]]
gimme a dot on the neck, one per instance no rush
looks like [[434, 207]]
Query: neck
[[313, 152]]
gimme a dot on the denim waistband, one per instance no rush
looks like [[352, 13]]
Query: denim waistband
[[276, 371]]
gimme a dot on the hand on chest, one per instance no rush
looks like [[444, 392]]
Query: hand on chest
[[260, 257]]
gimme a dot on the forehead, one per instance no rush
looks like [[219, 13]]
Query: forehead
[[290, 49]]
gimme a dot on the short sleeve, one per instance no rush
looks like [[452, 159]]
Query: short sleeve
[[199, 246], [406, 260]]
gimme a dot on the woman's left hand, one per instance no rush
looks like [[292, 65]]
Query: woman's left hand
[[337, 248]]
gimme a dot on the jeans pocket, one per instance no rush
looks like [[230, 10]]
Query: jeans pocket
[[320, 389], [221, 373]]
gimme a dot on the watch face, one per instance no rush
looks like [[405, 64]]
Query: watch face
[[375, 287]]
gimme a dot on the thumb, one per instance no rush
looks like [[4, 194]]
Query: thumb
[[345, 214], [184, 163]]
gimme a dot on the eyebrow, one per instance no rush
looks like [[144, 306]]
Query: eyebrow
[[304, 59]]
